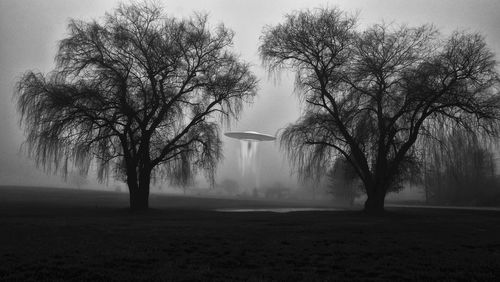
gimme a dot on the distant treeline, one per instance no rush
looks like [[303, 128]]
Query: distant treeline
[[461, 170]]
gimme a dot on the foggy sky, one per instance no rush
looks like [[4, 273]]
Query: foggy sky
[[30, 31]]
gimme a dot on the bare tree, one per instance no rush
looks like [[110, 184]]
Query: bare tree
[[138, 95], [369, 95]]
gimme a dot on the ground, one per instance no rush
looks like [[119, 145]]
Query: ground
[[70, 235]]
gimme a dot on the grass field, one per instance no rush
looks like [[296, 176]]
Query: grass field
[[72, 235]]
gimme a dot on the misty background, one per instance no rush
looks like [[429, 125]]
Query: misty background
[[30, 31]]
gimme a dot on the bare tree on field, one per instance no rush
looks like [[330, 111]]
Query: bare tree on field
[[138, 95], [370, 95]]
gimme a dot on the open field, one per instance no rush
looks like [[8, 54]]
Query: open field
[[62, 235]]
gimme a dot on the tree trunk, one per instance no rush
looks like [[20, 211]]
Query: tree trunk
[[139, 190], [375, 202]]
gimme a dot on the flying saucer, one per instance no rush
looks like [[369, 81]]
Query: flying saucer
[[250, 135]]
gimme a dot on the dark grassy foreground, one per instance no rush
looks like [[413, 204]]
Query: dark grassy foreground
[[89, 236]]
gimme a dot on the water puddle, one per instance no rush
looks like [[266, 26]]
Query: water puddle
[[278, 210]]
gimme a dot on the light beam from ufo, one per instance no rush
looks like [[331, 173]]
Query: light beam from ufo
[[249, 141]]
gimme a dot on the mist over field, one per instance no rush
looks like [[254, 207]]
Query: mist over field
[[30, 31]]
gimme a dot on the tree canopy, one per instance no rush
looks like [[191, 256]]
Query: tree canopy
[[369, 95], [138, 94]]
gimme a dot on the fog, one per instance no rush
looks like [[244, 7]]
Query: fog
[[30, 30]]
